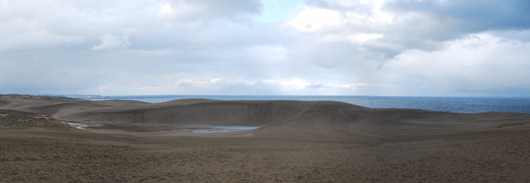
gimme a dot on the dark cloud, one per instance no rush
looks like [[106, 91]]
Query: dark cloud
[[193, 10], [426, 25], [355, 6], [477, 15]]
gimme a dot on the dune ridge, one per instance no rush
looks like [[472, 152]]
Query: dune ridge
[[282, 118]]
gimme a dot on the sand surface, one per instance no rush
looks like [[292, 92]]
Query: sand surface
[[324, 141]]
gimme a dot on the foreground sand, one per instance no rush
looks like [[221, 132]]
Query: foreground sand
[[34, 147], [37, 155]]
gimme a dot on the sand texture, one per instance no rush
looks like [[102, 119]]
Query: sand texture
[[319, 141]]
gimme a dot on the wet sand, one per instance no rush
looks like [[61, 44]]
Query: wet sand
[[303, 144]]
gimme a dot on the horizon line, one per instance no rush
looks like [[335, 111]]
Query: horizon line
[[88, 95]]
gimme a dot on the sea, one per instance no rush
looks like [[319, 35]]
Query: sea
[[445, 104]]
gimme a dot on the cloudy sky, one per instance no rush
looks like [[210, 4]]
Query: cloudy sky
[[266, 47]]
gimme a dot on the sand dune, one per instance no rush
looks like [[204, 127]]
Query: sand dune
[[294, 118], [316, 119], [319, 141], [17, 120], [54, 108]]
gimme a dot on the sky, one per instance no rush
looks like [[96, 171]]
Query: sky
[[266, 47]]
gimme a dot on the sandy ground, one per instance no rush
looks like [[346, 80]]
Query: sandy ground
[[37, 147]]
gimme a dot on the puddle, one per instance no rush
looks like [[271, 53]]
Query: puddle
[[76, 125], [194, 128], [218, 128]]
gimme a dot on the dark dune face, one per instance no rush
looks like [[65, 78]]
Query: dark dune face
[[218, 112]]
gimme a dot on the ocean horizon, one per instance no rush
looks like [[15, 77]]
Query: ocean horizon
[[444, 104]]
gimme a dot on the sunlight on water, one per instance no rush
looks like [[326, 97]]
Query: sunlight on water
[[202, 128], [219, 128], [76, 125]]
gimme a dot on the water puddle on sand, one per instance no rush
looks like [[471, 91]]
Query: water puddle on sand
[[76, 125], [217, 128], [194, 128]]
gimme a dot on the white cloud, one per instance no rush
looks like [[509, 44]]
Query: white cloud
[[112, 42], [288, 84], [268, 81], [345, 86], [166, 9], [379, 16], [219, 81], [246, 82], [189, 81], [346, 18], [272, 54], [329, 47], [299, 84], [181, 11], [316, 20], [294, 83], [479, 61], [150, 87], [362, 38], [332, 86]]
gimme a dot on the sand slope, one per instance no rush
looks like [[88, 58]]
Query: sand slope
[[77, 156], [3, 103], [315, 119], [294, 118], [297, 142]]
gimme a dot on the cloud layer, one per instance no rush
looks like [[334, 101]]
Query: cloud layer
[[324, 47]]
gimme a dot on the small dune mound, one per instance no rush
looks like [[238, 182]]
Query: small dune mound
[[16, 120], [3, 103]]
